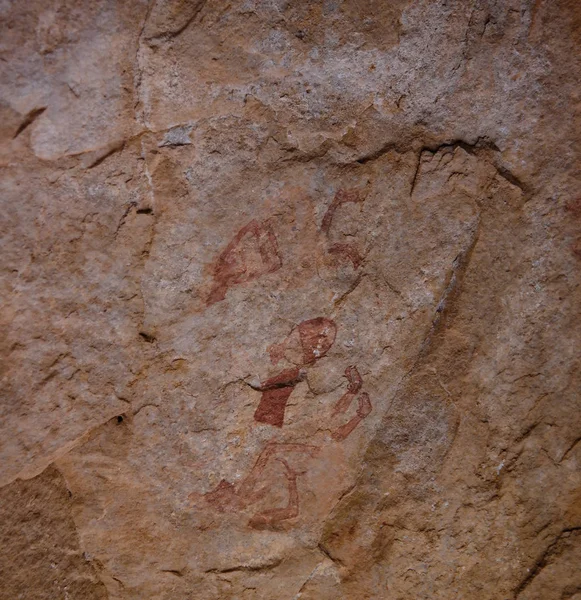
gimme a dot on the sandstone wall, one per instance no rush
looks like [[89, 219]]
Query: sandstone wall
[[290, 299]]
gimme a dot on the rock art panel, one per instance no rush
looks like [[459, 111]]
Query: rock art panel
[[253, 252], [267, 437], [308, 342], [290, 299]]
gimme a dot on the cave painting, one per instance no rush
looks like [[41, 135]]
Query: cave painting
[[252, 253], [341, 197], [229, 498], [348, 251], [307, 342]]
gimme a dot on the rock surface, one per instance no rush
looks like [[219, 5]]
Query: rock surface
[[290, 299]]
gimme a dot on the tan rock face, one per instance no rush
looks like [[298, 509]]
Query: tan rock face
[[41, 557], [290, 300]]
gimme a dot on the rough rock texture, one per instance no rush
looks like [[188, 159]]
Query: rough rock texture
[[290, 299]]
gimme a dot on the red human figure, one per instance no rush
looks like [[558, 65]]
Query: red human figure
[[227, 498], [306, 343], [252, 253], [275, 395]]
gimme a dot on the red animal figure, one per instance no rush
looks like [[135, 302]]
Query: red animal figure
[[252, 253]]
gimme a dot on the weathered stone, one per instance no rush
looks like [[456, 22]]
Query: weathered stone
[[290, 299], [41, 557]]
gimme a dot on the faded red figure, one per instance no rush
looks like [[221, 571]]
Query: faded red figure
[[229, 498], [252, 253], [343, 251], [348, 252], [307, 342], [341, 197]]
